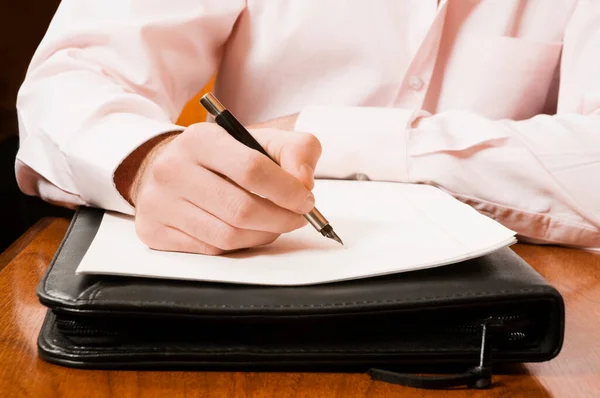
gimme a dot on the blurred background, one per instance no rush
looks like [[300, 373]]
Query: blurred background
[[23, 24]]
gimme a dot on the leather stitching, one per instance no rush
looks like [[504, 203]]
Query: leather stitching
[[81, 349], [320, 305]]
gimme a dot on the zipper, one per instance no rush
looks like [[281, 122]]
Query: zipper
[[515, 326], [499, 329], [77, 329]]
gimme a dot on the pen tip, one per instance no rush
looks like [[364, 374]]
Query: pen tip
[[328, 232], [334, 236]]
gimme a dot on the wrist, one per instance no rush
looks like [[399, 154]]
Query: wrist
[[130, 172]]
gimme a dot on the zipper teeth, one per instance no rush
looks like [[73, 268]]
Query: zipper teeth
[[516, 336], [91, 332], [476, 327], [77, 329], [501, 318], [511, 317]]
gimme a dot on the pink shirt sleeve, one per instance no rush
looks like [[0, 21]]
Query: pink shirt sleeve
[[123, 72], [539, 177]]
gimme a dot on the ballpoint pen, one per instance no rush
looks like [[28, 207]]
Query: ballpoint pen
[[224, 118]]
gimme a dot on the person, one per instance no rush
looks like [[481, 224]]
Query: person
[[495, 102]]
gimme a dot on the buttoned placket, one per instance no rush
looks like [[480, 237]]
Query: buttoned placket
[[415, 83]]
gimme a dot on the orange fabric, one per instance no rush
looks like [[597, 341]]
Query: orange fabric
[[193, 112]]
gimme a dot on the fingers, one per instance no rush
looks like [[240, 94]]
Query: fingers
[[204, 227], [250, 169], [207, 228], [297, 153], [200, 194], [164, 238], [232, 204]]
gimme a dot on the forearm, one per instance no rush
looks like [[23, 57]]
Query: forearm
[[537, 177], [96, 92]]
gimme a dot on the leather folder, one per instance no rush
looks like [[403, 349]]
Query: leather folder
[[455, 323]]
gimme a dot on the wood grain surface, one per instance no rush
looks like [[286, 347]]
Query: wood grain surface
[[574, 373]]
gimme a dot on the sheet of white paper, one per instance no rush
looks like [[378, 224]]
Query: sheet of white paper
[[386, 227]]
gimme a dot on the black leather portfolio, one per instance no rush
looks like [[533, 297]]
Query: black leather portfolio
[[440, 327]]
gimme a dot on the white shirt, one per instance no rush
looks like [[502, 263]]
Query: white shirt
[[494, 101]]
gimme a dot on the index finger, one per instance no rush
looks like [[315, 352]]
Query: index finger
[[216, 150]]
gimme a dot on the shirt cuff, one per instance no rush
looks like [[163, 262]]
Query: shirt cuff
[[95, 155], [360, 142]]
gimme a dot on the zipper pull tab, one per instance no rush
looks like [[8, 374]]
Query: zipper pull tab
[[482, 374], [479, 377]]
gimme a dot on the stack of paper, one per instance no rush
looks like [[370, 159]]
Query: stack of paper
[[386, 227]]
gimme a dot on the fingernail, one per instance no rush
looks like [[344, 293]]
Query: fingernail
[[310, 201], [308, 173]]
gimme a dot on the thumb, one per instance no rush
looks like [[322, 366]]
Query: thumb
[[297, 153]]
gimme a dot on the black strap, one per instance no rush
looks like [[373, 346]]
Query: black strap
[[473, 378], [479, 377]]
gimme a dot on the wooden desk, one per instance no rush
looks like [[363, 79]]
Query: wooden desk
[[574, 373]]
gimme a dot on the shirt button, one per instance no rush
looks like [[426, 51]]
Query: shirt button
[[416, 83]]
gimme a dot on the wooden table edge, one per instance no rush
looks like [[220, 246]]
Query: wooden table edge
[[23, 241]]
